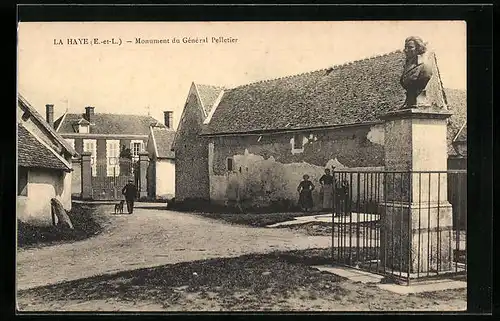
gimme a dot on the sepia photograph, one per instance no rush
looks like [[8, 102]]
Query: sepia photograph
[[241, 166]]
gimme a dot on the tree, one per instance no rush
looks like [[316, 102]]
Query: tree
[[125, 161], [125, 152]]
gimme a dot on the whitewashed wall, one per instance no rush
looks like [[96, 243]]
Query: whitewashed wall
[[165, 178], [43, 185]]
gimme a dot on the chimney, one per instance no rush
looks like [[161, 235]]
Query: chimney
[[89, 114], [167, 115], [49, 114]]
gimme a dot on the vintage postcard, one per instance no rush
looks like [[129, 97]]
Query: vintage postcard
[[242, 166]]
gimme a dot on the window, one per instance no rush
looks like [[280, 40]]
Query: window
[[89, 145], [84, 129], [22, 181], [229, 164], [112, 156], [297, 141], [71, 142], [136, 146]]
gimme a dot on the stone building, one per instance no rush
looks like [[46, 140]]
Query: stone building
[[254, 142], [105, 136], [191, 149]]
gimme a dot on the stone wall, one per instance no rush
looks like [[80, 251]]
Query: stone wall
[[268, 168], [191, 155]]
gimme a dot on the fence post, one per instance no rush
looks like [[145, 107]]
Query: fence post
[[143, 167], [114, 184], [86, 177]]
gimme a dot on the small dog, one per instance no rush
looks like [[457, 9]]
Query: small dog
[[119, 207]]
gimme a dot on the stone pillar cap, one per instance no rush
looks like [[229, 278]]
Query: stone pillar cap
[[428, 112], [86, 154]]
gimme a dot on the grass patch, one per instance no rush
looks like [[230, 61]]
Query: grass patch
[[274, 281], [244, 282], [88, 221], [254, 219]]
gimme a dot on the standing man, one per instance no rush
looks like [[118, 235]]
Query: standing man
[[130, 192]]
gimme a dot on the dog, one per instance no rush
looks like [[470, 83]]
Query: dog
[[119, 207]]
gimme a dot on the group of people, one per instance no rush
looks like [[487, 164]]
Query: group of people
[[330, 190]]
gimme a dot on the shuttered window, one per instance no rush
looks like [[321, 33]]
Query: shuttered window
[[90, 145], [112, 156], [136, 146]]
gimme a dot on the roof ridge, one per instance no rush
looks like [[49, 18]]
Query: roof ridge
[[52, 131], [332, 67], [213, 86]]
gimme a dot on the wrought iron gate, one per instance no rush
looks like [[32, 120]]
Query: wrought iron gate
[[108, 181], [396, 223]]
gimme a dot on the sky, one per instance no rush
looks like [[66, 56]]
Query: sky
[[139, 79]]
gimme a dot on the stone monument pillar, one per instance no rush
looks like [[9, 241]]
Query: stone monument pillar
[[86, 176], [143, 168], [416, 215]]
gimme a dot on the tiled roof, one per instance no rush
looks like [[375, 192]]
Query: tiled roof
[[32, 153], [25, 105], [109, 124], [351, 93], [82, 121], [58, 121], [164, 138], [457, 103], [208, 95]]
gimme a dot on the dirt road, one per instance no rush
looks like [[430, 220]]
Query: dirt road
[[152, 237]]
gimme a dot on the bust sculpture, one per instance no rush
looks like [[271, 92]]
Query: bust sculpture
[[417, 72]]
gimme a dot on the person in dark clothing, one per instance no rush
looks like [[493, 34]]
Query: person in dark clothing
[[342, 197], [326, 192], [130, 193], [305, 189]]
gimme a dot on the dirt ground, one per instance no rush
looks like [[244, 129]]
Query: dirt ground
[[152, 237], [270, 282], [157, 260]]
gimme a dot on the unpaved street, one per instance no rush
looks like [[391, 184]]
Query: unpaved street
[[152, 237]]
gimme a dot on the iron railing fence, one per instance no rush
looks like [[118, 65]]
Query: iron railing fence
[[403, 224]]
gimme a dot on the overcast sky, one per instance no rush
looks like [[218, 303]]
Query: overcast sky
[[127, 79]]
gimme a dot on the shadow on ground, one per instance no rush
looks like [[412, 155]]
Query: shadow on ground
[[262, 276], [275, 281]]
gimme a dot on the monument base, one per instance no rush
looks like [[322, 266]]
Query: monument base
[[416, 238]]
